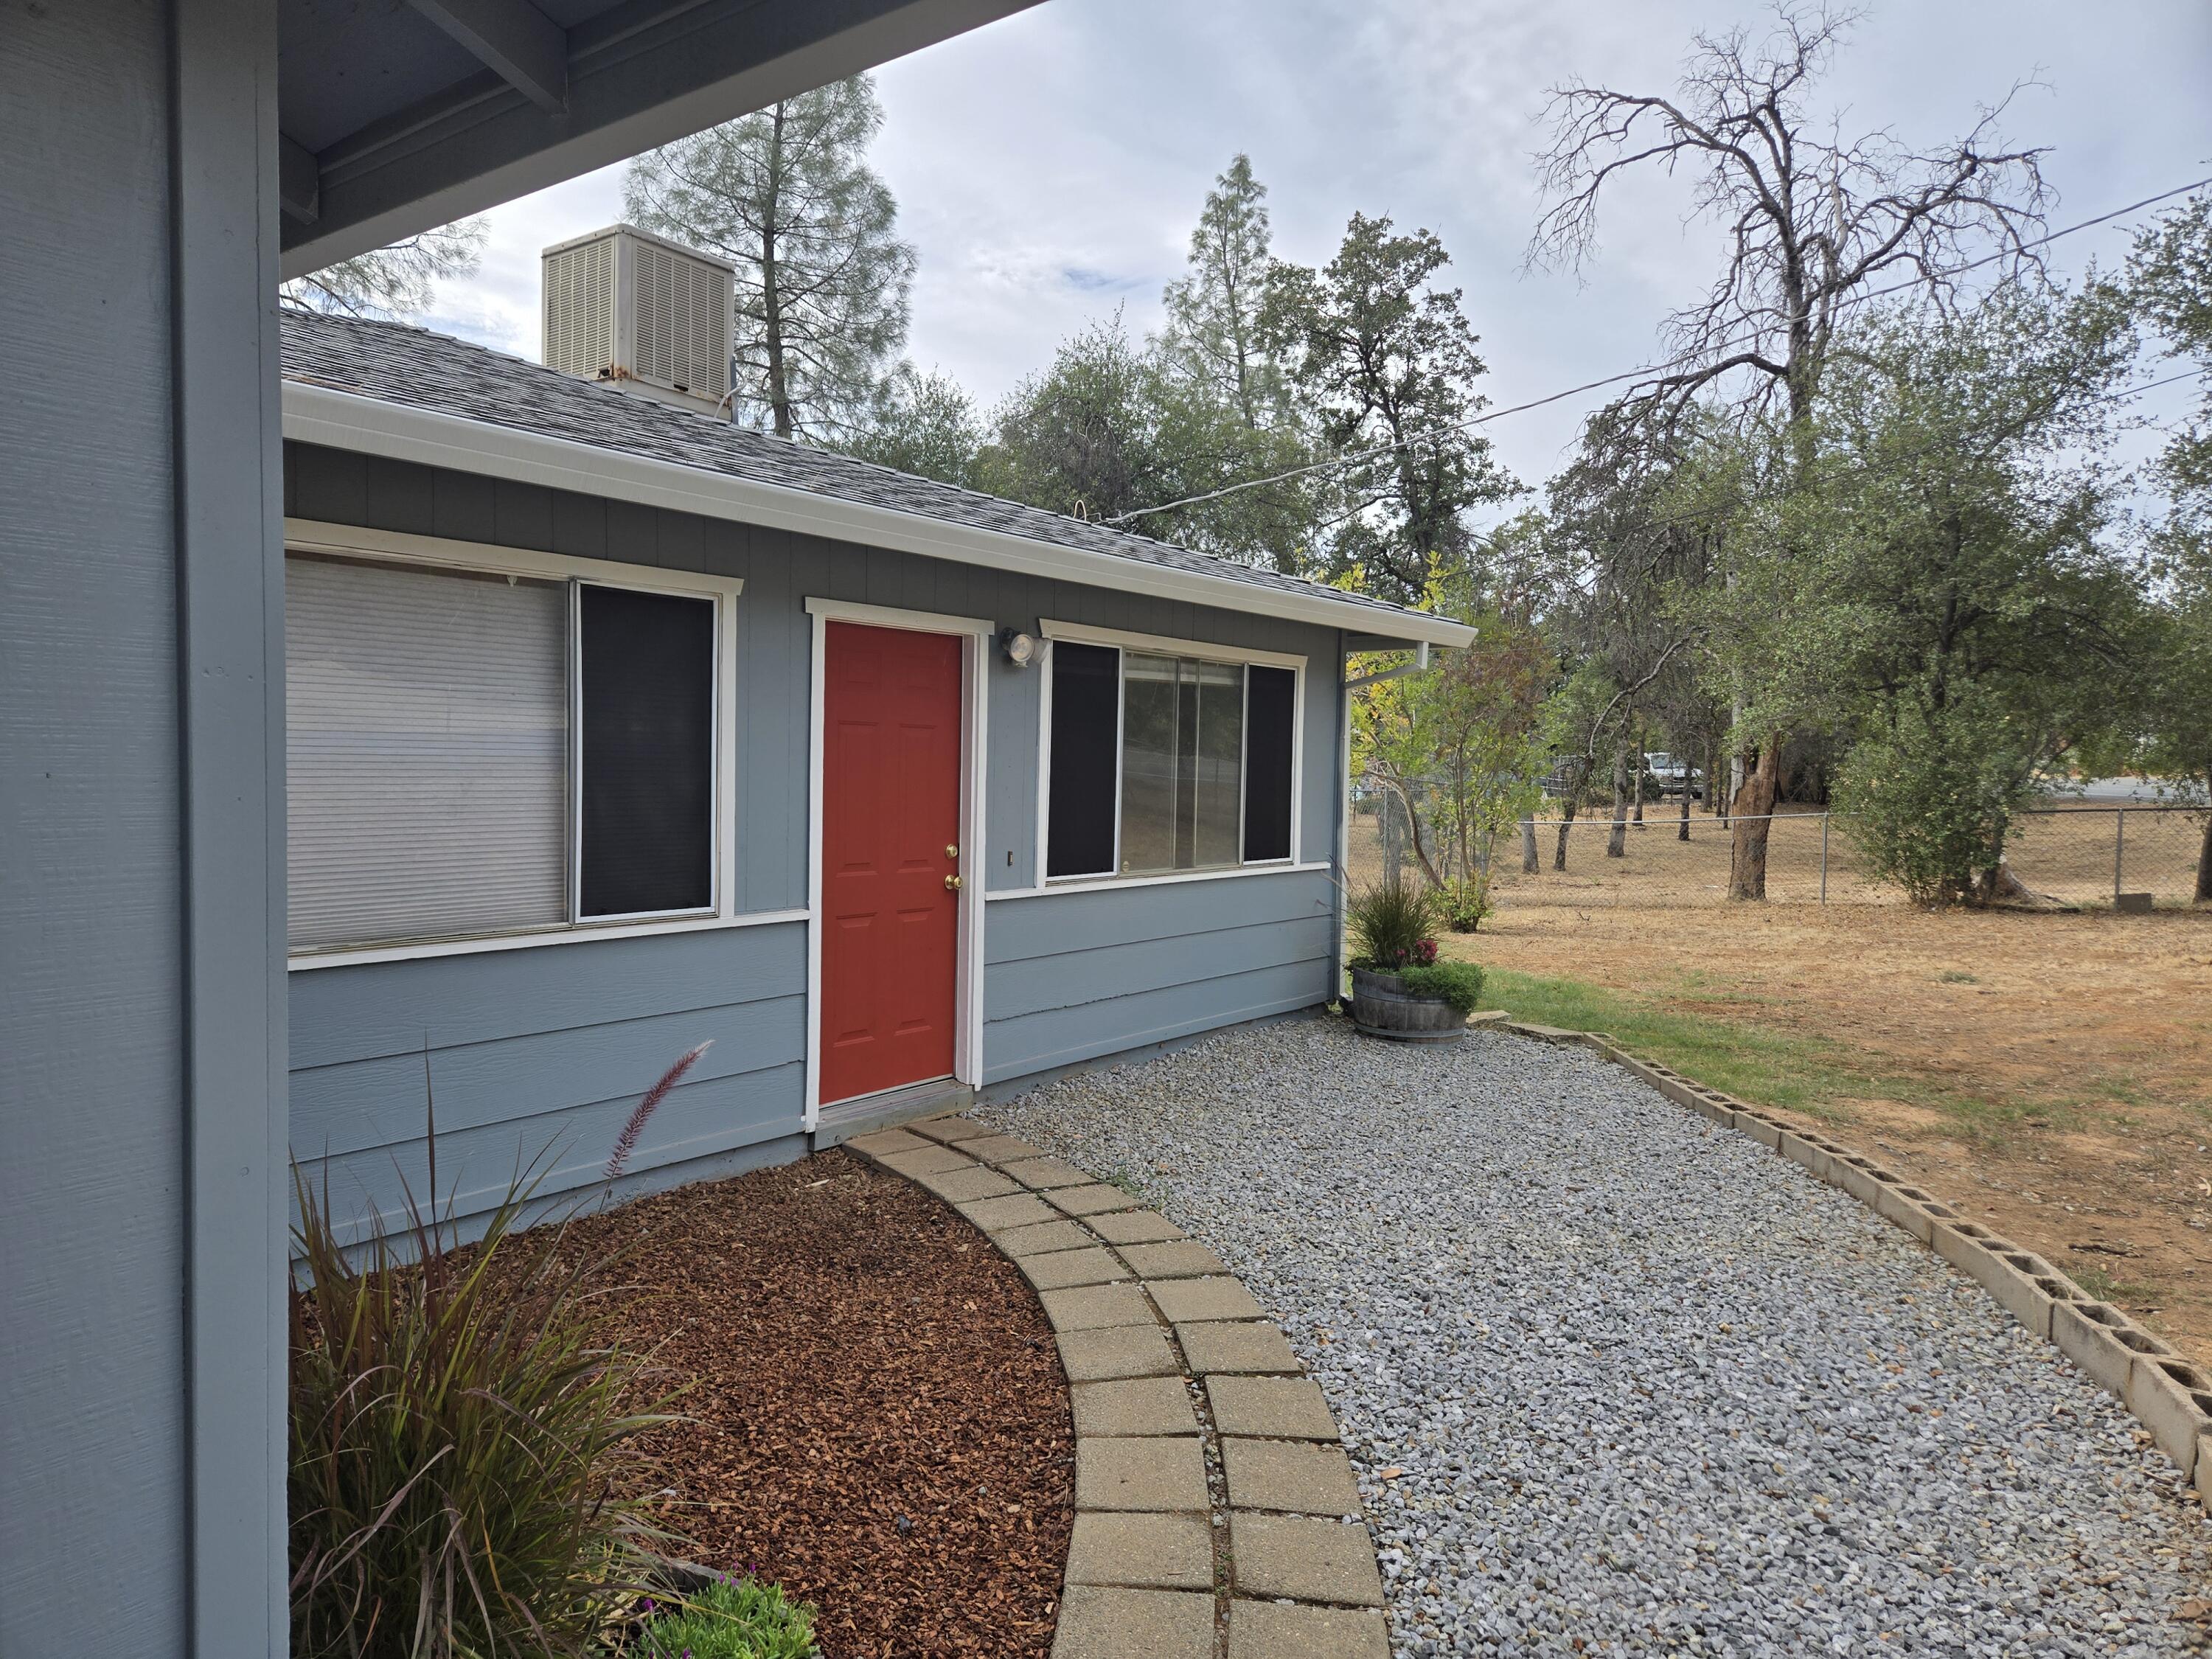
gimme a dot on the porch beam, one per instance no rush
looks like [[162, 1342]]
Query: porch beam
[[519, 43], [299, 180], [640, 75]]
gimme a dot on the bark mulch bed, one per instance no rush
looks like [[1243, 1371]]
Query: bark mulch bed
[[879, 1421]]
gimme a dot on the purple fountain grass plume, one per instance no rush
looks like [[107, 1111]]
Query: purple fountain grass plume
[[626, 1142]]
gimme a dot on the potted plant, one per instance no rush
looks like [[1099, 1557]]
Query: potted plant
[[1398, 989]]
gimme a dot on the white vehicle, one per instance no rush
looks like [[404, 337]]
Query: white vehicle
[[1673, 775]]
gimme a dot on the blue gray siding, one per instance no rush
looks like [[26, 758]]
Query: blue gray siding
[[142, 999], [1072, 976], [547, 1045], [534, 1059]]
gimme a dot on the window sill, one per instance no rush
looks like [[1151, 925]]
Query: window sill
[[367, 955], [1094, 883]]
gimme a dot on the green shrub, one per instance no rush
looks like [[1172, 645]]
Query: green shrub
[[1459, 983], [1467, 901], [1929, 802], [736, 1619], [456, 1417], [1390, 923]]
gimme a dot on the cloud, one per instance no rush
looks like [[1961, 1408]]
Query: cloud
[[1049, 167], [1098, 281]]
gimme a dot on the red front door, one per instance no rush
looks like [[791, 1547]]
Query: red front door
[[890, 830]]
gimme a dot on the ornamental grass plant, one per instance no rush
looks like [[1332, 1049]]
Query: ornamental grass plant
[[1393, 923], [459, 1422]]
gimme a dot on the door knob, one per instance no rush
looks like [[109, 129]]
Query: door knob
[[953, 883]]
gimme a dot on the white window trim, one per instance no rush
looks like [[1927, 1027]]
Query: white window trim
[[1167, 644], [976, 634], [397, 547], [1164, 645], [1119, 884]]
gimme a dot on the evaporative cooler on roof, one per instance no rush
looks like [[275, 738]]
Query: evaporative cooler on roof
[[643, 314]]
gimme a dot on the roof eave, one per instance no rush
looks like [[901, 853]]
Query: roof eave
[[334, 419]]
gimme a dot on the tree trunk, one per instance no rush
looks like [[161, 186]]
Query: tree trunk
[[1683, 833], [2204, 865], [1616, 844], [1413, 836], [1641, 775], [1530, 861], [779, 380], [1752, 809], [1567, 822], [1715, 798]]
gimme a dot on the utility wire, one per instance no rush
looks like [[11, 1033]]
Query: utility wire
[[1489, 539], [1644, 373]]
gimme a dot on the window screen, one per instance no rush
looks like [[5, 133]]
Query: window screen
[[647, 790], [1152, 714], [426, 753], [1202, 756], [1271, 699], [1085, 690], [1182, 725], [1217, 764]]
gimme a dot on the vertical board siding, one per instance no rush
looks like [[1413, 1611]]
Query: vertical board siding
[[94, 1488], [546, 1046]]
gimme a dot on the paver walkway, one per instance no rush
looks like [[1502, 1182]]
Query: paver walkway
[[1215, 1509], [1614, 1380]]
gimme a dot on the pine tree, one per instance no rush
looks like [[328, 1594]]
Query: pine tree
[[823, 278], [399, 281], [1213, 334]]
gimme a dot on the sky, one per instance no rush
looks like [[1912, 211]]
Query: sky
[[1048, 167]]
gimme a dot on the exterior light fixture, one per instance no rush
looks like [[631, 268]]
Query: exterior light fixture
[[1020, 648]]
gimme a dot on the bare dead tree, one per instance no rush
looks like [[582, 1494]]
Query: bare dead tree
[[1818, 225], [1814, 223]]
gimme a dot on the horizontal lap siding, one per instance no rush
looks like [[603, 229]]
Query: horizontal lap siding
[[548, 1046], [534, 1059], [1072, 976]]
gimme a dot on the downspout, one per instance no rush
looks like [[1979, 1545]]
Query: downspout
[[1343, 859], [1418, 665], [1343, 870]]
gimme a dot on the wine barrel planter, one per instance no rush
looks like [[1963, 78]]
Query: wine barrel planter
[[1382, 1006]]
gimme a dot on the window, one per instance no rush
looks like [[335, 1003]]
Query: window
[[1161, 762], [473, 753]]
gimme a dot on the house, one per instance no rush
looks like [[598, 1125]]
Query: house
[[613, 728], [169, 162], [166, 162]]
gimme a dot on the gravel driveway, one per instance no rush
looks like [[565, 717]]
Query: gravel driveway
[[1617, 1382]]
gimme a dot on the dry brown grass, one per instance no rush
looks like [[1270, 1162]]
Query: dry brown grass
[[2050, 1073], [2067, 854]]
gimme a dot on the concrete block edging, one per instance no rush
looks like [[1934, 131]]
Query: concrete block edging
[[2171, 1397], [1159, 1429]]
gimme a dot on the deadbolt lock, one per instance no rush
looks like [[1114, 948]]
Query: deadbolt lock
[[953, 883], [951, 851]]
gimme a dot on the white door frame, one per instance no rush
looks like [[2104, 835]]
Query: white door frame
[[976, 634]]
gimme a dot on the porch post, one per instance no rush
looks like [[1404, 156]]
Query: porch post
[[142, 1025], [230, 596]]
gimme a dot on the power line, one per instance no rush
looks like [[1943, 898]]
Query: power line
[[1644, 373], [1489, 539]]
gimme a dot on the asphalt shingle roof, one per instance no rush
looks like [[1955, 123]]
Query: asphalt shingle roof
[[400, 364]]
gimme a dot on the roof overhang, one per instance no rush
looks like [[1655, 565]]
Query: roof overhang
[[344, 419], [401, 115]]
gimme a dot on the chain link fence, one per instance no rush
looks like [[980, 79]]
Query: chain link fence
[[2074, 854]]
